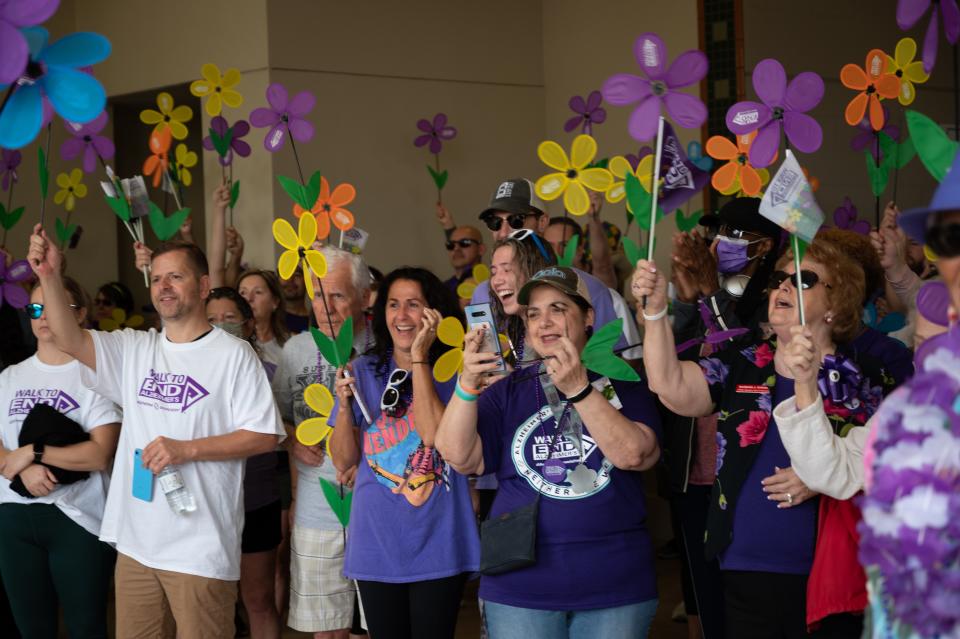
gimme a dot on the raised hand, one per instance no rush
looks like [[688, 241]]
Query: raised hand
[[44, 257], [420, 351], [649, 281]]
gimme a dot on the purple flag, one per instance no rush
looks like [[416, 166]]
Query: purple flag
[[681, 177]]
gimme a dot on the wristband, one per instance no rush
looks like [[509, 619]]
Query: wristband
[[581, 395], [37, 452], [655, 317], [465, 394]]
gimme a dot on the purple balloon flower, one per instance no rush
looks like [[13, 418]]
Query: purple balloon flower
[[866, 138], [284, 116], [588, 112], [634, 160], [9, 162], [782, 103], [660, 86], [435, 132], [14, 51], [10, 277], [238, 146], [85, 139], [909, 13], [845, 217]]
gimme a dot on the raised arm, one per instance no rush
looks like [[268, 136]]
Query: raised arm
[[46, 261], [217, 241], [600, 255], [681, 386]]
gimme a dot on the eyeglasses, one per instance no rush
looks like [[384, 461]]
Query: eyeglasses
[[738, 234], [34, 311], [808, 279], [944, 240], [522, 234], [515, 220], [391, 401], [464, 243]]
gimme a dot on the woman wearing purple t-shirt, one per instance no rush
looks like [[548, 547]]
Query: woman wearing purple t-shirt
[[570, 441], [412, 538]]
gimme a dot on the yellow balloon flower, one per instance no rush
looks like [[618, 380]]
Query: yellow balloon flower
[[185, 160], [619, 168], [118, 320], [218, 89], [300, 251], [169, 116], [450, 332], [466, 288], [70, 189], [903, 66], [572, 178], [311, 432]]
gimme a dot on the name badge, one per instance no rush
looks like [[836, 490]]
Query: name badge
[[756, 389]]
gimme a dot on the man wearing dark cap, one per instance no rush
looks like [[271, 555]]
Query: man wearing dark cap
[[515, 206]]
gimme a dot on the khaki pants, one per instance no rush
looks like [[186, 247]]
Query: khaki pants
[[201, 607]]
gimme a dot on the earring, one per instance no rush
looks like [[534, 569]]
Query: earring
[[828, 319]]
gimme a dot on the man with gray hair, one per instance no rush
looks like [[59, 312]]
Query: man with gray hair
[[321, 599]]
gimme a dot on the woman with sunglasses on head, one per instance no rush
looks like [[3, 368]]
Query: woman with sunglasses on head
[[52, 496], [564, 444], [110, 297], [413, 537], [261, 535], [762, 521]]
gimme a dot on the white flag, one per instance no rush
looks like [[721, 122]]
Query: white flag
[[789, 203]]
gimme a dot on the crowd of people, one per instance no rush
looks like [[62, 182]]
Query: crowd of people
[[164, 463]]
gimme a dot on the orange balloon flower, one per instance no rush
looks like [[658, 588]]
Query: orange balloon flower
[[874, 83], [156, 164], [738, 167], [329, 208]]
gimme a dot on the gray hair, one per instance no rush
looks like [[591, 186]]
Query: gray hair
[[360, 277]]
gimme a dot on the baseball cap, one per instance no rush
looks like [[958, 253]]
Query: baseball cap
[[566, 280], [743, 213], [515, 196]]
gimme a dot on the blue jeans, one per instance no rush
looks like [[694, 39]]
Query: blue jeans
[[623, 622]]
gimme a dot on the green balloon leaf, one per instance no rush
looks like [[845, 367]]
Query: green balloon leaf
[[688, 222], [905, 152], [439, 178], [935, 148], [312, 190], [166, 227], [64, 232], [327, 347], [339, 505], [221, 143], [9, 219], [44, 172], [598, 355], [119, 206], [345, 341], [879, 175], [633, 252], [569, 253], [296, 192], [234, 193]]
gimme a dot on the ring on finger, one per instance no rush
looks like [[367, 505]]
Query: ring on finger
[[789, 498]]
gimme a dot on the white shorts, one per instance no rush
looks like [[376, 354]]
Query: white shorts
[[321, 598]]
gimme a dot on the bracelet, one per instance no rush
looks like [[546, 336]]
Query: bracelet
[[655, 317], [464, 394], [581, 395]]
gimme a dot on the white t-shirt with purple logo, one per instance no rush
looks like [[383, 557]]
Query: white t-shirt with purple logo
[[185, 391], [32, 382]]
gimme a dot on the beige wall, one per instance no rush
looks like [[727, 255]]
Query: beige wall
[[816, 43]]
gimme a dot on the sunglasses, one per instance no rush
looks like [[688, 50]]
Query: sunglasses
[[34, 311], [515, 220], [944, 240], [523, 234], [808, 279], [391, 401], [464, 243]]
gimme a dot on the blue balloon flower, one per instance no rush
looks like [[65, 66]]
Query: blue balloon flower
[[53, 73]]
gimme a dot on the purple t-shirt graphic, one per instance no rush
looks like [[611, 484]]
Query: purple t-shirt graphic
[[593, 548], [411, 518]]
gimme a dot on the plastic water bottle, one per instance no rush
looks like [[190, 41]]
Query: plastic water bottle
[[179, 498]]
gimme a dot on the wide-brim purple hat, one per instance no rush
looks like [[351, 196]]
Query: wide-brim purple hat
[[915, 222]]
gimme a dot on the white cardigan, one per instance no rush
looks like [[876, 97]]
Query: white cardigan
[[826, 463]]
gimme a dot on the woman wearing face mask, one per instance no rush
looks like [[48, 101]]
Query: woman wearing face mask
[[413, 537], [229, 311], [763, 519]]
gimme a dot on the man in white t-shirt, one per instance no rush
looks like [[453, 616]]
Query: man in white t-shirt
[[321, 598], [194, 397]]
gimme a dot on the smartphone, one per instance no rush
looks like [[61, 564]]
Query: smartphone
[[142, 478], [482, 315]]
